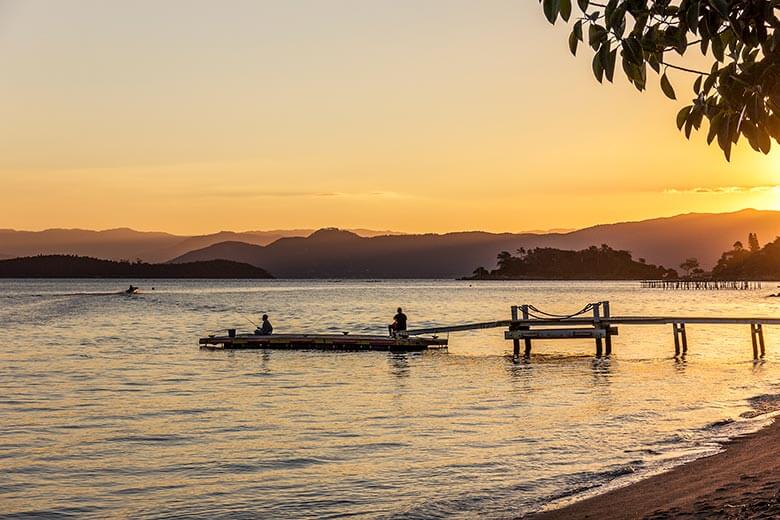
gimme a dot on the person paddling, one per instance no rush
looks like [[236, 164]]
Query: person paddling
[[131, 289], [399, 323], [265, 329]]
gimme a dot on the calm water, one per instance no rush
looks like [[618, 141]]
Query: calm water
[[108, 408]]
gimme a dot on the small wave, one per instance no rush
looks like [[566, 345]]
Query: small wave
[[719, 424], [764, 403], [149, 438]]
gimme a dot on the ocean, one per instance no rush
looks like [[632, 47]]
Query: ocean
[[109, 408]]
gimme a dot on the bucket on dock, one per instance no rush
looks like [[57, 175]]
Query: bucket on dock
[[231, 333]]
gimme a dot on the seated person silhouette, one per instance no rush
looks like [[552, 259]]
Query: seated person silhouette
[[265, 328], [399, 323]]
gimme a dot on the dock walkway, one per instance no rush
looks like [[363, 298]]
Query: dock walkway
[[527, 323], [600, 326], [354, 342]]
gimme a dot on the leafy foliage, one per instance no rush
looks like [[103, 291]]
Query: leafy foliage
[[755, 263], [739, 95], [690, 265]]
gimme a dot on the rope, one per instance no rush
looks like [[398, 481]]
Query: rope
[[539, 314]]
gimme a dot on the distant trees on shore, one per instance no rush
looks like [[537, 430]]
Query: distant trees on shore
[[754, 263], [69, 266], [593, 263], [604, 263]]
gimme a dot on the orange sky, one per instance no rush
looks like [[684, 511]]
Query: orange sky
[[424, 115]]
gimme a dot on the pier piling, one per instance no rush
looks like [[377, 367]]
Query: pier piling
[[680, 339], [515, 341], [700, 284], [597, 324], [527, 341], [608, 337], [757, 337]]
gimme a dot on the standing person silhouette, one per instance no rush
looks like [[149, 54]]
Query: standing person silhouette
[[399, 323]]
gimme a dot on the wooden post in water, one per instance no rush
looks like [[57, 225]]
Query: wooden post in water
[[515, 342], [753, 339], [527, 341], [676, 340], [608, 337], [680, 338], [597, 324], [757, 336]]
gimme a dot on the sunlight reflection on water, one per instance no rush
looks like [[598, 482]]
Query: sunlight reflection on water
[[109, 408]]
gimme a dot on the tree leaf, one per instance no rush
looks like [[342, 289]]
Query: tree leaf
[[609, 67], [573, 42], [692, 16], [596, 35], [598, 67], [667, 88], [722, 6], [633, 50], [565, 9], [682, 115], [764, 143], [714, 127], [551, 9]]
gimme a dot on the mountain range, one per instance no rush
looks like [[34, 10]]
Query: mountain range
[[335, 253], [332, 253], [128, 244]]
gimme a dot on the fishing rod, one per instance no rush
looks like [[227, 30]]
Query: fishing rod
[[243, 316], [250, 321]]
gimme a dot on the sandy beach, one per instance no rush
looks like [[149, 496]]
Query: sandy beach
[[741, 482]]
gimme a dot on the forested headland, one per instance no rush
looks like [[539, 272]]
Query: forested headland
[[749, 263], [593, 263], [68, 266]]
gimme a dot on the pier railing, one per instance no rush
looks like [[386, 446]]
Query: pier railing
[[599, 325]]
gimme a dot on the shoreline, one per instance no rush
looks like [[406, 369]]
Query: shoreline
[[741, 481]]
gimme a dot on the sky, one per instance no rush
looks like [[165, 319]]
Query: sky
[[195, 116]]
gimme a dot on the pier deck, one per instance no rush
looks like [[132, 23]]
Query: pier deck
[[356, 342], [600, 326], [523, 327]]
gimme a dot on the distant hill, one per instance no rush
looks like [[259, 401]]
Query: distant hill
[[289, 253], [115, 244], [593, 263], [341, 254], [128, 244], [332, 253], [669, 241], [66, 266]]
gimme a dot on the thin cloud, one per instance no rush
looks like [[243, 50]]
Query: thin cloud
[[728, 190], [253, 193]]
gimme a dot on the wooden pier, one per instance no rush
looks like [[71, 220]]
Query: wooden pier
[[356, 342], [528, 323], [693, 284]]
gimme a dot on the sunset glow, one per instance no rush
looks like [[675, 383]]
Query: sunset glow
[[432, 116]]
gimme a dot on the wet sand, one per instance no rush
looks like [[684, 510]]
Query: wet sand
[[741, 482]]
